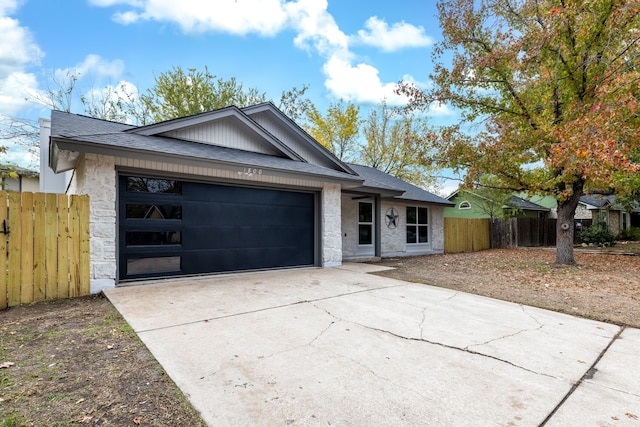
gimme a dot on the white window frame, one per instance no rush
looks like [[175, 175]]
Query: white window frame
[[417, 225], [366, 249], [464, 205]]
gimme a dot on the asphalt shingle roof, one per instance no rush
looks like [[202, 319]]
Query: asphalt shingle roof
[[597, 200], [520, 203], [112, 135], [377, 179], [87, 133]]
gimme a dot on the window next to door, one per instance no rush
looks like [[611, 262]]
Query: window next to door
[[365, 223], [417, 225]]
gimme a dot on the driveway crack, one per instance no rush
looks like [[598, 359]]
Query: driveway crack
[[523, 307], [424, 318], [452, 347], [422, 339], [375, 374], [310, 343], [611, 388], [505, 336]]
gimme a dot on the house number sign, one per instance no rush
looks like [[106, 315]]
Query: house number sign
[[250, 171]]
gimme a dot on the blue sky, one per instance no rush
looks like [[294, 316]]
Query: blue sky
[[354, 50]]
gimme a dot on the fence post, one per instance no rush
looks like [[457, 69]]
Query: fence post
[[85, 247]]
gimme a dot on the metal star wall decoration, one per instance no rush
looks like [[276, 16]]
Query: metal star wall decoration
[[391, 218]]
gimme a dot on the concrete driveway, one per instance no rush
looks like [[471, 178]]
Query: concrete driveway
[[345, 348]]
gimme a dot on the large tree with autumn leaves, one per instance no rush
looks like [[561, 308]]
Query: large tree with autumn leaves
[[549, 97]]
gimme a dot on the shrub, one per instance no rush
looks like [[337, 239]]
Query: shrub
[[598, 234], [632, 233]]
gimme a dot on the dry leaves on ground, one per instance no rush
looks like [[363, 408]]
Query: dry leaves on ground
[[604, 287]]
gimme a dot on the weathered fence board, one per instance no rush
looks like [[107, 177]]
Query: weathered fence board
[[39, 253], [527, 232], [63, 247], [14, 249], [3, 254], [45, 249], [51, 246]]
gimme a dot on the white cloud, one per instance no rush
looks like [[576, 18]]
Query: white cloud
[[107, 3], [94, 66], [316, 32], [392, 38], [7, 7], [314, 23], [14, 89], [17, 48], [437, 109], [123, 90], [17, 154], [18, 51], [359, 83], [264, 17], [104, 98]]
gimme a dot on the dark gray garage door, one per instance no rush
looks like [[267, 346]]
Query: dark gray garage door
[[170, 227]]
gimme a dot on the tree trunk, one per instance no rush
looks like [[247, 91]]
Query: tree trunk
[[565, 228]]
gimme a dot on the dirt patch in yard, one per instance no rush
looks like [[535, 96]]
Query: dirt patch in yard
[[603, 287], [74, 362]]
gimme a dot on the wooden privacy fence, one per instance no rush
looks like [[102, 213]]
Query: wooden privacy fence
[[529, 232], [45, 249], [466, 235]]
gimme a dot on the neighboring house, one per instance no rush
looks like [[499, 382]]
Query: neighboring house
[[468, 204], [228, 190], [591, 206], [616, 215], [24, 180]]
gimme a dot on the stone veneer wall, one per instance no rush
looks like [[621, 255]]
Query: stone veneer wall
[[582, 212], [96, 176], [614, 221], [331, 226], [437, 229], [393, 240]]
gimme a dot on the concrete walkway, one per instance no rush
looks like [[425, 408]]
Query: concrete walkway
[[345, 348]]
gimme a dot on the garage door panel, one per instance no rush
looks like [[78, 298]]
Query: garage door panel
[[239, 259], [245, 236], [210, 228], [241, 213]]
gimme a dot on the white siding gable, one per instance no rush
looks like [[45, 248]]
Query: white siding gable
[[226, 132], [292, 139]]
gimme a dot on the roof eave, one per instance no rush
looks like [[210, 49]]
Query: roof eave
[[375, 191], [430, 202], [74, 148]]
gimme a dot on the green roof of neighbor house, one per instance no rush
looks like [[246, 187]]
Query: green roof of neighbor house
[[467, 206]]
